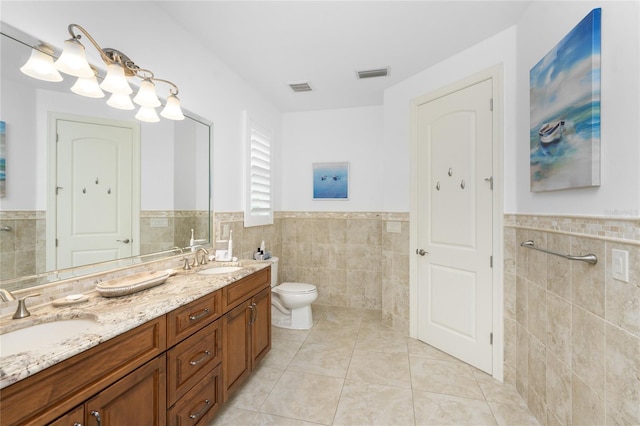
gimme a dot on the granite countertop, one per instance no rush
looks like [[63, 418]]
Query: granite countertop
[[114, 316]]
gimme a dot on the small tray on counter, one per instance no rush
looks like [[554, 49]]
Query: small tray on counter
[[132, 283]]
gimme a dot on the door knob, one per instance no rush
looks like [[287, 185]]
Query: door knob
[[126, 241], [421, 252]]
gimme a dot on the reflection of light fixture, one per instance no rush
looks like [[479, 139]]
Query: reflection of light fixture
[[73, 61], [40, 64]]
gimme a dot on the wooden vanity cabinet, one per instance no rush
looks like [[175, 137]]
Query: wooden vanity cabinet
[[246, 328]]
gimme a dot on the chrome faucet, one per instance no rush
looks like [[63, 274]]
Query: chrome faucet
[[203, 259], [21, 311]]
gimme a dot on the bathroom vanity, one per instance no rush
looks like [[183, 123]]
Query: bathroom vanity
[[177, 368]]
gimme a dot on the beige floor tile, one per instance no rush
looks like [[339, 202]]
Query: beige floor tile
[[494, 391], [421, 349], [381, 341], [327, 360], [509, 414], [380, 368], [369, 404], [303, 396], [229, 415], [281, 353], [256, 389], [451, 378], [438, 409], [290, 335], [330, 335]]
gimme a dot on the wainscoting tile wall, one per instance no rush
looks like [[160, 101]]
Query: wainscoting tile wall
[[572, 331]]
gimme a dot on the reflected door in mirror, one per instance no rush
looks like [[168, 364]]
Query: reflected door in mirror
[[94, 192]]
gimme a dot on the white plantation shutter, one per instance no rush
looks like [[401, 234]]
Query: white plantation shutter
[[258, 204]]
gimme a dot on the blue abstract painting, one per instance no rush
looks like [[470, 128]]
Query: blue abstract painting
[[564, 137], [331, 181]]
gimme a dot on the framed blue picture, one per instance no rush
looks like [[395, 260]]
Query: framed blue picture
[[564, 133], [331, 181]]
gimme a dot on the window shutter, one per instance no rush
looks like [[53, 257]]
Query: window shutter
[[258, 204]]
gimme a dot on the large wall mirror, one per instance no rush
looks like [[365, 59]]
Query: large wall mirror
[[72, 211]]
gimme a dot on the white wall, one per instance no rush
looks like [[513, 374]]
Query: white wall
[[353, 135], [619, 192], [207, 86], [499, 49]]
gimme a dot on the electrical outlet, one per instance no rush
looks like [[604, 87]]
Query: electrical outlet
[[620, 265]]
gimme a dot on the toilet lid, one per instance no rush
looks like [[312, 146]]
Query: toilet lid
[[296, 288]]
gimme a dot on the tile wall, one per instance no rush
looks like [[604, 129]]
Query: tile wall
[[160, 230], [22, 243], [572, 331], [351, 257]]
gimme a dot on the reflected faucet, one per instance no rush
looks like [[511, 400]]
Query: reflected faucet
[[21, 311]]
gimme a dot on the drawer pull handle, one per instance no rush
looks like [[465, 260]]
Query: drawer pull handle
[[199, 360], [204, 313], [96, 414], [201, 412]]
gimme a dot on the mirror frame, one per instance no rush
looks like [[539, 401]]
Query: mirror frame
[[51, 276]]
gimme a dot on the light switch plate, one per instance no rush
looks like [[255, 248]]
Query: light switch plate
[[620, 265], [394, 227], [159, 222]]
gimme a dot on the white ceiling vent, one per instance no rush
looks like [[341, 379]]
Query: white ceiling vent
[[381, 72], [300, 87]]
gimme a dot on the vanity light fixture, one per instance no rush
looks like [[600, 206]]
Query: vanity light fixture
[[73, 61]]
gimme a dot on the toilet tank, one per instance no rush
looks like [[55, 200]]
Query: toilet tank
[[274, 271]]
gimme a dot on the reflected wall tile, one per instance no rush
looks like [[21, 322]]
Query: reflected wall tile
[[364, 231], [559, 327], [509, 251], [521, 300], [537, 312], [522, 254], [522, 361], [537, 366], [558, 389], [537, 260], [509, 296]]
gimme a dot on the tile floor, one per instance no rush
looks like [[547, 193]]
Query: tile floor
[[350, 369]]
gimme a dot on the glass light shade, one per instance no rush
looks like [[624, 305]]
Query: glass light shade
[[172, 109], [115, 81], [147, 114], [41, 66], [120, 101], [73, 60], [88, 87], [147, 94]]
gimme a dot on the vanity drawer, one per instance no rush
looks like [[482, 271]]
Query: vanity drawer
[[200, 403], [192, 358], [241, 290], [190, 318]]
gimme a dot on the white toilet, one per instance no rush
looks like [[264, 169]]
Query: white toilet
[[291, 302]]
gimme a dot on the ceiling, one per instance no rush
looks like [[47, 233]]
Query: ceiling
[[271, 44]]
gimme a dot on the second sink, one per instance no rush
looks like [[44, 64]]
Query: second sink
[[218, 270]]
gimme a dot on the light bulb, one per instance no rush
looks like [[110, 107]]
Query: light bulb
[[147, 114], [115, 81], [73, 60], [120, 101], [147, 94], [40, 65], [87, 87], [172, 109]]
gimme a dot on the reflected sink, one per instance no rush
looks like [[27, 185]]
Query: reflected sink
[[41, 335], [220, 270]]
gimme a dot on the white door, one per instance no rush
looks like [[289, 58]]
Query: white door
[[94, 192], [454, 223]]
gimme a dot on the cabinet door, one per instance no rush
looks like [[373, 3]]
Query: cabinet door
[[72, 418], [236, 349], [137, 399], [261, 326]]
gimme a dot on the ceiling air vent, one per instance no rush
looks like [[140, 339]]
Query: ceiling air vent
[[382, 72], [300, 87]]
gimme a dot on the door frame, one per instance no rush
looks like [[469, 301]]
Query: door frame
[[495, 74], [52, 173]]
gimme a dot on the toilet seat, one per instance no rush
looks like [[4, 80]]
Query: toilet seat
[[296, 288]]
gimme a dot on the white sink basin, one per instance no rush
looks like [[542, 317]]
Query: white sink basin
[[41, 335], [218, 270]]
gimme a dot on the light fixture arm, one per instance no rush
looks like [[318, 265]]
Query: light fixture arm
[[103, 55], [173, 90]]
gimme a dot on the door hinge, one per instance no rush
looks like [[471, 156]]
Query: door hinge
[[491, 338], [57, 137], [491, 261], [491, 104], [56, 242]]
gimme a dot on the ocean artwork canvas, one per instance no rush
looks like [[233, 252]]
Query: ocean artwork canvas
[[3, 160], [331, 181], [564, 137]]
